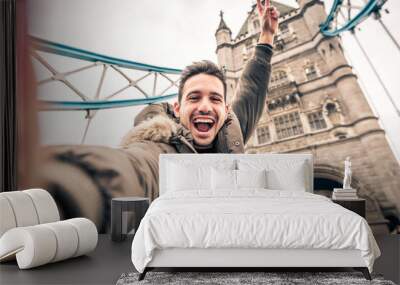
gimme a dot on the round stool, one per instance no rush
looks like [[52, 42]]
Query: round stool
[[121, 208]]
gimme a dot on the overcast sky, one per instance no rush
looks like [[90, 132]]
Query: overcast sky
[[175, 33]]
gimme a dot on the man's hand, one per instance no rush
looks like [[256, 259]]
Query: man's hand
[[269, 22]]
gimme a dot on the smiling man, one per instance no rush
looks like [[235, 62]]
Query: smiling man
[[201, 104], [201, 121]]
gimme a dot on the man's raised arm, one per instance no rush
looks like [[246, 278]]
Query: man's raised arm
[[249, 101]]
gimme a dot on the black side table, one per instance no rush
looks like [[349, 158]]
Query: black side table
[[355, 205], [119, 207]]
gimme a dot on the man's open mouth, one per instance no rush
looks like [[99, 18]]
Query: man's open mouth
[[203, 125]]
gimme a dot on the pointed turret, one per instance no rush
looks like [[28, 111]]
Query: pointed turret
[[223, 33], [222, 24], [224, 53]]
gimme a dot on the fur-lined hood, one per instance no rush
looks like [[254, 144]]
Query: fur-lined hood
[[161, 129]]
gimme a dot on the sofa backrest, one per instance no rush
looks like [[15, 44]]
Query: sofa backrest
[[285, 169]]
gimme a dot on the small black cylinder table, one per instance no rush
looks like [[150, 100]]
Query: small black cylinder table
[[122, 206]]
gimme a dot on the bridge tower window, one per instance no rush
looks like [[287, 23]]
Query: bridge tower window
[[288, 125], [316, 120], [263, 135]]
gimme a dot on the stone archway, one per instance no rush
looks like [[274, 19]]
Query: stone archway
[[325, 186], [327, 177]]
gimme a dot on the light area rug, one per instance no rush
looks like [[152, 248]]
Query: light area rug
[[231, 278]]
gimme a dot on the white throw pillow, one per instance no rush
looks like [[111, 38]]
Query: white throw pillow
[[292, 180], [182, 177], [282, 174], [251, 178], [223, 179]]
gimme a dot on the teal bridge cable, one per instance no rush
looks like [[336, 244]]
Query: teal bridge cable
[[370, 7], [72, 52], [98, 105]]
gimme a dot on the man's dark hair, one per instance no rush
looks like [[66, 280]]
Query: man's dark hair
[[199, 67]]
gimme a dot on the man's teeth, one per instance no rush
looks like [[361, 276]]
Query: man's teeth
[[203, 121]]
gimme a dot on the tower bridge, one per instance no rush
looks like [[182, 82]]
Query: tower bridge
[[315, 102]]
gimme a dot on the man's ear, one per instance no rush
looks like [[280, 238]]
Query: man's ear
[[227, 109], [176, 109]]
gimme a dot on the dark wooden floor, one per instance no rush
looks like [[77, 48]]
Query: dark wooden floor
[[389, 262], [110, 260], [102, 266]]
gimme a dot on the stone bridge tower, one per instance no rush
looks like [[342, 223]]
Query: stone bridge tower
[[315, 105]]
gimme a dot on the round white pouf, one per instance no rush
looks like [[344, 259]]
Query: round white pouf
[[67, 240], [33, 246], [45, 243], [6, 215], [45, 205], [26, 208], [87, 234], [22, 207]]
